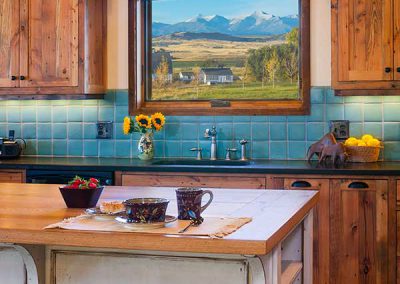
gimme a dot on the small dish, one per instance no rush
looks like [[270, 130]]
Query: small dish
[[144, 226], [97, 214]]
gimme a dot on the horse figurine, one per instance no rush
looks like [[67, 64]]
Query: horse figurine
[[317, 147], [336, 152]]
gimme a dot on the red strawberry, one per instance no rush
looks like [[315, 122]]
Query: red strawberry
[[92, 185], [94, 180]]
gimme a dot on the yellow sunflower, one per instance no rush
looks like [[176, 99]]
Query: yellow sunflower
[[127, 125], [143, 121], [158, 120]]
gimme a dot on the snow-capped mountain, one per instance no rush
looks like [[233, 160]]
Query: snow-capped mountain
[[258, 23]]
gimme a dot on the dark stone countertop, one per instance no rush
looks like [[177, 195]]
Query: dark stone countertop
[[256, 166]]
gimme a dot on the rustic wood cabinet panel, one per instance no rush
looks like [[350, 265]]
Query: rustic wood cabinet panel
[[50, 41], [396, 44], [359, 231], [61, 47], [9, 43], [362, 45], [192, 179], [12, 176], [321, 224]]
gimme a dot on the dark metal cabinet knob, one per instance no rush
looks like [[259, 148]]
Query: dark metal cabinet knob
[[13, 78], [398, 69], [388, 69], [22, 78]]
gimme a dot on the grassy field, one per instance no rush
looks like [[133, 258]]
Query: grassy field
[[201, 50], [234, 91]]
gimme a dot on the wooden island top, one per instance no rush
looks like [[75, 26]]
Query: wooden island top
[[27, 208]]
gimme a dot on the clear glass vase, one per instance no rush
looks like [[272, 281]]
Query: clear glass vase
[[146, 146]]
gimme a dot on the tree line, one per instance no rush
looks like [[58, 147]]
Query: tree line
[[276, 62]]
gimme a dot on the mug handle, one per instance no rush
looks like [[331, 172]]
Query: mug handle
[[209, 192]]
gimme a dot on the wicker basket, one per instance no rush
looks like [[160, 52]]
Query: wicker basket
[[363, 154]]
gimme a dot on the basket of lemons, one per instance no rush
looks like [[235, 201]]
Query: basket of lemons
[[364, 150]]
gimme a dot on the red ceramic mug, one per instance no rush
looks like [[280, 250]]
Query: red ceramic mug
[[189, 199]]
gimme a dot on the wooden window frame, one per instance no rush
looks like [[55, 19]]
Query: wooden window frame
[[137, 99]]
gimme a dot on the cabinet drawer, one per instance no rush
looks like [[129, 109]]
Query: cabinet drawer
[[175, 180], [12, 177]]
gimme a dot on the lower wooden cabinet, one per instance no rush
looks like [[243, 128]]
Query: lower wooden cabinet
[[359, 231], [12, 176], [191, 179], [321, 224]]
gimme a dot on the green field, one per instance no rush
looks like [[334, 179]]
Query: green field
[[235, 91]]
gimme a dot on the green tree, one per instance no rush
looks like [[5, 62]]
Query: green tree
[[272, 67], [161, 74], [290, 62], [292, 37]]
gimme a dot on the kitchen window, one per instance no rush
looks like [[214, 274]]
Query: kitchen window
[[226, 57]]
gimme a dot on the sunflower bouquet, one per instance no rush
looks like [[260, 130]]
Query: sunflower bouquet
[[144, 123]]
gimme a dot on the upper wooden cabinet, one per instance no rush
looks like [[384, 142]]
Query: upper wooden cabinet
[[366, 47], [52, 47]]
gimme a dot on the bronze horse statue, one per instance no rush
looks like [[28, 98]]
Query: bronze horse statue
[[316, 148], [337, 154]]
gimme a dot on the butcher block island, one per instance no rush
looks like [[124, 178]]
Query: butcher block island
[[274, 247]]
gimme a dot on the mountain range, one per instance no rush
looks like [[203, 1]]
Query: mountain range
[[257, 24]]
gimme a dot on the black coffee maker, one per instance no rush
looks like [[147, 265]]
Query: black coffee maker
[[9, 147]]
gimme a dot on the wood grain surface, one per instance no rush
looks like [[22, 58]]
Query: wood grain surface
[[27, 208]]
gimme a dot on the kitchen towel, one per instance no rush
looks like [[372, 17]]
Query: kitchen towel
[[214, 227]]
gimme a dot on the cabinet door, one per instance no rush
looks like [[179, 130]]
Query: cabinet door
[[397, 39], [321, 224], [362, 40], [9, 43], [12, 177], [190, 180], [359, 231], [49, 43]]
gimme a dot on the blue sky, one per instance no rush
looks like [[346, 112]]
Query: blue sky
[[173, 11]]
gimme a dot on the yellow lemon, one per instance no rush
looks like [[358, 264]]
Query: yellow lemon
[[374, 142], [362, 144], [353, 142], [367, 137]]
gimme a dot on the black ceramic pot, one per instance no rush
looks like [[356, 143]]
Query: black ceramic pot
[[81, 198], [146, 210]]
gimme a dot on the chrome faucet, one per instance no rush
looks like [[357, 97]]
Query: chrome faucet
[[243, 143], [213, 135]]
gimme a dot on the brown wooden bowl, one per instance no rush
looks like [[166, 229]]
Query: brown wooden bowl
[[81, 198]]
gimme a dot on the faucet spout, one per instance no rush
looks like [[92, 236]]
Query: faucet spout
[[213, 135]]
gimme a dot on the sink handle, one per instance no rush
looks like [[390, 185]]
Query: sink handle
[[199, 153], [228, 153]]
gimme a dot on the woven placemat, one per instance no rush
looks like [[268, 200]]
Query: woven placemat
[[214, 227]]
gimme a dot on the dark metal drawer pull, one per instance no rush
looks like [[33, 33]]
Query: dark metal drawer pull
[[398, 69], [301, 183], [358, 184], [388, 69]]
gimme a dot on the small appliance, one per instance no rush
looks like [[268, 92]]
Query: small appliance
[[9, 148]]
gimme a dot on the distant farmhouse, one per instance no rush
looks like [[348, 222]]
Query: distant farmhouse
[[212, 76], [157, 58], [186, 77]]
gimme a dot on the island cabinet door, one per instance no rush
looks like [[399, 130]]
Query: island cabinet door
[[9, 43], [321, 224], [49, 43], [359, 231]]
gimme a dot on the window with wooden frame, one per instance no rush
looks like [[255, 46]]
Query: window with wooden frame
[[249, 58]]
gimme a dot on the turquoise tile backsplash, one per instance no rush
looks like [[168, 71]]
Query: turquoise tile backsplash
[[68, 128]]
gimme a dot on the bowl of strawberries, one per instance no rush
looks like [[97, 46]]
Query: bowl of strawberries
[[81, 193]]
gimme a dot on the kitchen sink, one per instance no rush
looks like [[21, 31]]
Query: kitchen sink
[[182, 162]]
